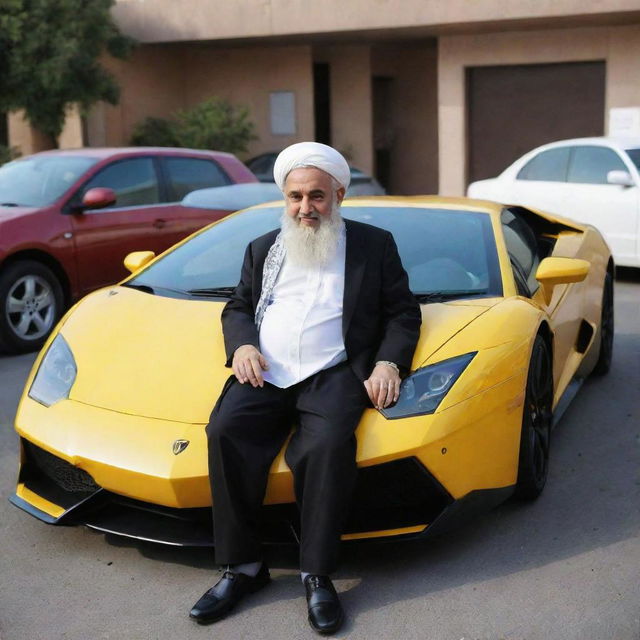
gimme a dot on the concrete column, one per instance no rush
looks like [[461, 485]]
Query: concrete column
[[71, 136], [351, 105], [24, 137]]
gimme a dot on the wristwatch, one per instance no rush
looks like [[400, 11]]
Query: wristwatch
[[390, 364]]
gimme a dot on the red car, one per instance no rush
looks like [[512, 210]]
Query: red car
[[68, 219]]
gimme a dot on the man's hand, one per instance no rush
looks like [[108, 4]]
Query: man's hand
[[248, 364], [383, 386]]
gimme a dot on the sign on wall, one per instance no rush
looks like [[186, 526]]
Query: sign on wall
[[624, 121], [283, 113]]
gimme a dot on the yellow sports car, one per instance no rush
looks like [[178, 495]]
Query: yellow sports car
[[517, 309]]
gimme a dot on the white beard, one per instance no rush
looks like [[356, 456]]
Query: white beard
[[308, 246]]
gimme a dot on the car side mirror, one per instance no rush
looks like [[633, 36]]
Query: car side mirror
[[136, 260], [622, 178], [553, 271], [98, 198]]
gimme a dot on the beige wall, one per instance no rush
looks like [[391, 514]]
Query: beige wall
[[151, 83], [350, 90], [23, 136], [71, 136], [413, 126], [184, 20], [248, 76], [618, 46]]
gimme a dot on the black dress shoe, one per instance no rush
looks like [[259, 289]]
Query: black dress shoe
[[325, 611], [226, 593]]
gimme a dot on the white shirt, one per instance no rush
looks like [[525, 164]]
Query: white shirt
[[301, 331]]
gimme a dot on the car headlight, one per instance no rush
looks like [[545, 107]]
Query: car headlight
[[424, 389], [56, 374]]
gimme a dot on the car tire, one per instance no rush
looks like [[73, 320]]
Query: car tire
[[533, 461], [31, 303], [603, 363]]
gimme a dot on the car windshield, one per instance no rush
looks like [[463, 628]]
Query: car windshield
[[634, 154], [38, 181], [447, 254]]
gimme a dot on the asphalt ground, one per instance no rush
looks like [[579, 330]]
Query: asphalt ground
[[565, 567]]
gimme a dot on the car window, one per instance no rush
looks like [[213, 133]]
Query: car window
[[590, 165], [134, 182], [634, 154], [441, 250], [550, 166], [188, 174], [38, 181], [523, 250], [262, 164]]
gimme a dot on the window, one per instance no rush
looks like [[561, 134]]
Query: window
[[590, 165], [550, 166], [441, 250], [134, 182], [188, 174], [263, 164], [523, 251], [37, 181], [634, 154]]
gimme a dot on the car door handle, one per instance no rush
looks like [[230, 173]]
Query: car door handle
[[160, 223]]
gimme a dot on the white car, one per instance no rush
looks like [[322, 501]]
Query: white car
[[592, 180]]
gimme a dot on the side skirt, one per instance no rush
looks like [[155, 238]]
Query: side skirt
[[565, 400]]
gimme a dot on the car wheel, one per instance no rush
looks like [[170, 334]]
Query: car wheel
[[606, 328], [533, 463], [31, 302]]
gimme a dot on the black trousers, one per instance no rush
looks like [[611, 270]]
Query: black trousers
[[247, 429]]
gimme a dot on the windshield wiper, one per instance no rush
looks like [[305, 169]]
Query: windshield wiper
[[441, 296], [213, 292], [9, 204]]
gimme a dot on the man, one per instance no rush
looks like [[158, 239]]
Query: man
[[321, 323]]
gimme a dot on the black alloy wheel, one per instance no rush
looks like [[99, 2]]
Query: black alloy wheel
[[533, 463], [603, 364], [31, 303]]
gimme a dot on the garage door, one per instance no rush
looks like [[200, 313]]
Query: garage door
[[512, 109]]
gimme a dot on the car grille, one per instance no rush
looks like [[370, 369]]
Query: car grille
[[396, 494], [55, 479], [64, 474]]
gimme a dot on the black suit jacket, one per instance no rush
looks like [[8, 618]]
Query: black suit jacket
[[380, 319]]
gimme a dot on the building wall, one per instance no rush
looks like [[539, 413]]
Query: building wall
[[23, 136], [152, 83], [184, 20], [248, 76], [413, 118], [350, 80], [619, 47]]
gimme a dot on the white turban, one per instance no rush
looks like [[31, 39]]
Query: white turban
[[311, 154]]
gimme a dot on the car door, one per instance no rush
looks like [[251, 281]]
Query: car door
[[611, 208], [103, 237]]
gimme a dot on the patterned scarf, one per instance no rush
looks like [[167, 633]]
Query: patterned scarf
[[270, 271]]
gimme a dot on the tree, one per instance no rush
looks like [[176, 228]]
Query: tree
[[49, 58], [213, 124]]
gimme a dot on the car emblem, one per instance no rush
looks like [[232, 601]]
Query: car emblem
[[179, 446]]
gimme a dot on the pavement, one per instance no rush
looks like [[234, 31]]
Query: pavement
[[565, 567]]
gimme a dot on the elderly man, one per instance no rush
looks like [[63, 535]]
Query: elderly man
[[321, 323]]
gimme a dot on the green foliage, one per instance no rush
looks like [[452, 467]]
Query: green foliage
[[8, 153], [49, 57], [213, 124], [155, 132]]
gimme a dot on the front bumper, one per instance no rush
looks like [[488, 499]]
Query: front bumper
[[117, 472], [394, 498]]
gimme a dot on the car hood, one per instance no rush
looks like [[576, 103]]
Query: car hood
[[163, 358], [10, 213]]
